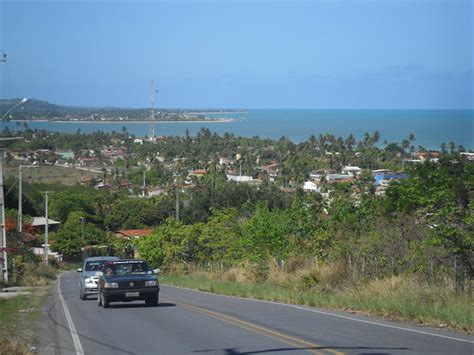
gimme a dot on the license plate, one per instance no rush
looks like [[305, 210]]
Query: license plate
[[132, 294]]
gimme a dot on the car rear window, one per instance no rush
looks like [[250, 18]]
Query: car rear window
[[94, 265]]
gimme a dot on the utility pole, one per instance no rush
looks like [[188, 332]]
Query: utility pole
[[151, 129], [46, 225], [3, 234], [144, 183], [20, 204], [177, 201]]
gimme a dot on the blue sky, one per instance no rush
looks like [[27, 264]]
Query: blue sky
[[252, 54]]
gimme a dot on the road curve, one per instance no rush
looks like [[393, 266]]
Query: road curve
[[188, 322]]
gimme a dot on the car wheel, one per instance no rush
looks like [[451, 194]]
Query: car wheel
[[105, 302], [99, 299], [83, 296]]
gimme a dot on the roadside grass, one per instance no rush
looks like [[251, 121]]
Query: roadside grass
[[20, 315], [19, 324], [38, 275], [398, 298]]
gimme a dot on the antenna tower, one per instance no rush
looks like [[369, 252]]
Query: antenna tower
[[151, 129]]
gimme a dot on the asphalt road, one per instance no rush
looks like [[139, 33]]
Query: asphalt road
[[189, 322]]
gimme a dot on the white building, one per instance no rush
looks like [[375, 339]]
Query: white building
[[351, 170], [468, 155], [40, 252], [310, 186], [239, 178]]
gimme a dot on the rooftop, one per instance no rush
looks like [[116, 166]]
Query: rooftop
[[41, 221], [135, 233]]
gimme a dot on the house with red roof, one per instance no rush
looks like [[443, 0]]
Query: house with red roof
[[131, 234], [134, 233]]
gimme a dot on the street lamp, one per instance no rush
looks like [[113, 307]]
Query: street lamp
[[22, 101]]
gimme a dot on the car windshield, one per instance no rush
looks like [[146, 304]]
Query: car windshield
[[126, 268], [94, 265]]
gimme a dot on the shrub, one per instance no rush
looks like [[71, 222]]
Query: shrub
[[38, 275], [323, 278]]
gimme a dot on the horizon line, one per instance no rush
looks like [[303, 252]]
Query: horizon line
[[255, 108]]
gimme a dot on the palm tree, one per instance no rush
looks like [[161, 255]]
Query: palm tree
[[405, 144], [375, 138], [443, 148], [452, 147], [350, 141]]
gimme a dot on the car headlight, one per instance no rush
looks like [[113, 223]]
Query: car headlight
[[111, 285], [151, 283]]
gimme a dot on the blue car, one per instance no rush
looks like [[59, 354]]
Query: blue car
[[126, 281]]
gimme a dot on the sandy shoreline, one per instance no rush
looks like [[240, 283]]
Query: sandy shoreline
[[216, 120], [216, 113]]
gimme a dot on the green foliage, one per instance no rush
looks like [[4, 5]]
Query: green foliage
[[171, 242], [422, 225], [438, 194], [217, 241], [220, 239], [266, 234], [133, 213], [156, 176], [76, 233], [62, 203]]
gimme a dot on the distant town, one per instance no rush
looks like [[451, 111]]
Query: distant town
[[37, 110], [150, 166]]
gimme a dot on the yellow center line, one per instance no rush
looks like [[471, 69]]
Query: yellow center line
[[290, 340]]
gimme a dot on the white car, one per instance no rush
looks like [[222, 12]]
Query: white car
[[90, 272]]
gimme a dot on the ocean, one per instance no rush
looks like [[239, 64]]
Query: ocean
[[430, 127]]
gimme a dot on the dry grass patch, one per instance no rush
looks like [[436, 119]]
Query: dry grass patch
[[12, 347], [239, 275], [35, 281]]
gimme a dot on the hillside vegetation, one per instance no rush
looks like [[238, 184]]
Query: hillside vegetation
[[346, 247]]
